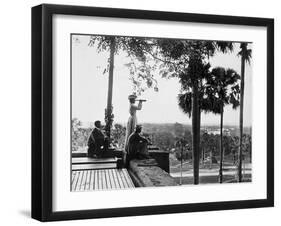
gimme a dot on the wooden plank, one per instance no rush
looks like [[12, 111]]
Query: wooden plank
[[92, 181], [128, 178], [118, 178], [74, 182], [87, 183], [83, 182], [96, 180], [122, 185], [117, 184], [120, 172], [125, 179], [73, 173], [86, 160], [99, 180], [93, 166], [79, 181], [115, 179], [104, 182], [112, 182], [83, 153], [107, 179]]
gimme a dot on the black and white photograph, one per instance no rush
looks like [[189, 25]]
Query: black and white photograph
[[154, 112], [139, 113], [143, 112]]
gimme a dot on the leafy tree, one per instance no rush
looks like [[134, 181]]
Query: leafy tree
[[204, 145], [245, 55], [188, 60], [227, 145], [118, 134], [213, 146], [164, 140], [75, 132], [247, 145], [234, 145], [113, 45], [179, 129], [79, 135]]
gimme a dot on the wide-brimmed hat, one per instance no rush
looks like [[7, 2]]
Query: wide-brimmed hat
[[132, 96]]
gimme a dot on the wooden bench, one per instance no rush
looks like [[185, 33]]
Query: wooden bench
[[87, 160], [85, 163]]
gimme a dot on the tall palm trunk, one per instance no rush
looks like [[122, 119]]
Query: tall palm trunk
[[221, 146], [241, 117], [110, 84], [195, 133], [181, 164]]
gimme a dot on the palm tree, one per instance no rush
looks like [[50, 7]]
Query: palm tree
[[246, 55], [224, 87], [193, 100]]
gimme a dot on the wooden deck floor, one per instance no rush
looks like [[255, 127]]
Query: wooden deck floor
[[100, 179]]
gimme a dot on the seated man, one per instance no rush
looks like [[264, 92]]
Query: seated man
[[97, 142], [137, 146]]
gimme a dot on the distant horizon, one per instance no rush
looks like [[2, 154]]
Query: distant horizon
[[163, 123]]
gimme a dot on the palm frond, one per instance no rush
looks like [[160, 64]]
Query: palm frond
[[224, 47], [185, 103], [245, 52]]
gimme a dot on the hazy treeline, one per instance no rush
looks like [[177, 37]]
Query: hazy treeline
[[170, 137]]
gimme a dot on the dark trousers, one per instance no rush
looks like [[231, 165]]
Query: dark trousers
[[98, 150], [137, 151]]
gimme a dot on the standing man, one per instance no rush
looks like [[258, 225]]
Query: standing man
[[97, 142]]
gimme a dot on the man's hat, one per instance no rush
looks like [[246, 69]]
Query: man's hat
[[132, 96], [138, 126]]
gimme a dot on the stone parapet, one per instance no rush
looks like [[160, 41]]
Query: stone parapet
[[147, 173]]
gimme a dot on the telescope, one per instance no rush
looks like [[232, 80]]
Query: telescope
[[143, 100]]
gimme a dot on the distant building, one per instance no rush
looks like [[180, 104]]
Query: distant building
[[226, 132]]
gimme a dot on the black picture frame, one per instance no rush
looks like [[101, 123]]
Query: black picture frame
[[42, 111]]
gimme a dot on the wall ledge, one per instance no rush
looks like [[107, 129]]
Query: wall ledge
[[147, 173]]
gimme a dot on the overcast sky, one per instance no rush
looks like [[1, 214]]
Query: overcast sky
[[89, 89]]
